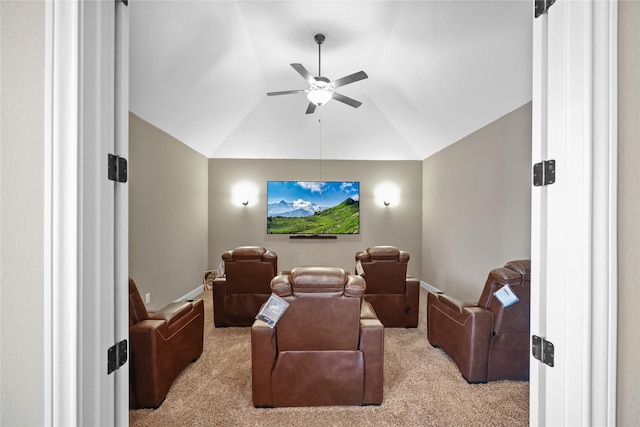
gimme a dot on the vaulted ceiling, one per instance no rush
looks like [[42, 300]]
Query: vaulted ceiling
[[438, 70]]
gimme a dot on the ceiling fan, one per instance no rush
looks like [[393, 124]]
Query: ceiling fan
[[321, 89]]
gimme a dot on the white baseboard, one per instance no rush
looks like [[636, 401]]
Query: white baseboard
[[191, 295], [430, 288]]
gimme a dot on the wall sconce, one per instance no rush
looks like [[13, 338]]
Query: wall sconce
[[387, 194], [244, 193]]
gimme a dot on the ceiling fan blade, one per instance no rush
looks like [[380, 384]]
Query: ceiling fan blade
[[304, 73], [311, 108], [349, 101], [360, 75], [284, 92]]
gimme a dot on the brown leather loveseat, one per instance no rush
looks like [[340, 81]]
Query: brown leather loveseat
[[486, 340], [394, 296], [161, 345], [238, 295], [326, 349]]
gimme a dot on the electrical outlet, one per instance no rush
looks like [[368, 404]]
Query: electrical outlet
[[147, 298]]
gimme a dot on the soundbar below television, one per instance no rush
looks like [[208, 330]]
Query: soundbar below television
[[313, 207]]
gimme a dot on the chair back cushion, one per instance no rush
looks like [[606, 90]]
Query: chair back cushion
[[385, 269], [323, 312], [249, 270], [137, 310], [318, 378]]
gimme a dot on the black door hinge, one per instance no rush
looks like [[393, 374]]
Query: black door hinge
[[544, 173], [126, 2], [116, 356], [542, 350], [541, 6], [117, 168]]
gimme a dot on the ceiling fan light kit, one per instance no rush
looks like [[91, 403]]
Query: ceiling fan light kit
[[321, 89]]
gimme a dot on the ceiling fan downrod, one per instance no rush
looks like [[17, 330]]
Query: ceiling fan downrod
[[319, 38]]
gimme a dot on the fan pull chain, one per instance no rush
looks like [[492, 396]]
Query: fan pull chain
[[320, 146]]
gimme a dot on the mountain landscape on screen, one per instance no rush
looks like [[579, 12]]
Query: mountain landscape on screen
[[287, 209], [313, 207]]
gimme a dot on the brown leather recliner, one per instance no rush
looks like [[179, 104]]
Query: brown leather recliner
[[161, 345], [487, 341], [326, 349], [238, 295], [394, 296]]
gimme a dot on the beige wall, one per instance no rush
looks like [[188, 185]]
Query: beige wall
[[628, 217], [167, 214], [21, 213], [232, 225], [476, 212]]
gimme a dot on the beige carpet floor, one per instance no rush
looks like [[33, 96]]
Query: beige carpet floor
[[422, 387]]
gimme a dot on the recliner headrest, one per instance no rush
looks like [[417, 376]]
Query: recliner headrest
[[523, 267], [381, 253], [317, 279], [505, 276], [325, 281], [249, 253]]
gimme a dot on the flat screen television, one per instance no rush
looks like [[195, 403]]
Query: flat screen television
[[313, 207]]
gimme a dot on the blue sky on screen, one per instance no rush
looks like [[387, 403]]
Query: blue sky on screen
[[326, 193]]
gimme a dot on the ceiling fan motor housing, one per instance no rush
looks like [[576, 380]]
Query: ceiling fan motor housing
[[322, 83]]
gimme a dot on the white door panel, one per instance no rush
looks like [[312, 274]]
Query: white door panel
[[572, 233], [121, 211], [96, 326], [86, 213]]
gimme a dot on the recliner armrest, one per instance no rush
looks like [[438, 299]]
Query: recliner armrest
[[412, 286], [263, 355], [143, 332], [220, 283], [462, 331], [146, 325], [172, 311], [367, 312], [372, 346], [453, 303], [178, 314]]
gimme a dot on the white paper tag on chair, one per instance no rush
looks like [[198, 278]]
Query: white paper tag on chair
[[359, 269], [272, 310], [506, 296]]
